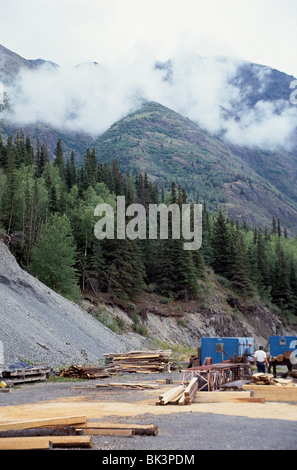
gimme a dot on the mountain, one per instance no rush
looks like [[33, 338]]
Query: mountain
[[167, 146], [11, 64], [223, 128]]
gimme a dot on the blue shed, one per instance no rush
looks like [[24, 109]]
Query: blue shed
[[281, 344], [223, 348]]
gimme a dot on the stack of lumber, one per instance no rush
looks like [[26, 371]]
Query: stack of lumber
[[185, 395], [269, 379], [25, 374], [43, 441], [84, 372], [145, 362], [67, 431], [171, 397]]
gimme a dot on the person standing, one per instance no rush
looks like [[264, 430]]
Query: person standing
[[261, 359], [247, 357]]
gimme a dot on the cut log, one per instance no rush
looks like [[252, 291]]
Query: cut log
[[280, 358]]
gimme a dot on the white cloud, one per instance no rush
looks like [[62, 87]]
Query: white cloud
[[91, 97]]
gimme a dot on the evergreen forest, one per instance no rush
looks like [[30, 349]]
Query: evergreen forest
[[47, 214]]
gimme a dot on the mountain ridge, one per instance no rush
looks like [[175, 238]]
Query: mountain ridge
[[167, 146]]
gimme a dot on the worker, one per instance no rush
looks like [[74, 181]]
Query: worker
[[248, 354], [260, 359], [247, 357]]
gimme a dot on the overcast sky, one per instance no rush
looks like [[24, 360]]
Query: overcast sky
[[69, 32]]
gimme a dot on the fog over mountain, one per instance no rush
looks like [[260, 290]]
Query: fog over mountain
[[248, 104]]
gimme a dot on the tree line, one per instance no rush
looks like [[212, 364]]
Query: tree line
[[47, 209]]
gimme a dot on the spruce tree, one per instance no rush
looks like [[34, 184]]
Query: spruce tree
[[221, 246], [240, 278]]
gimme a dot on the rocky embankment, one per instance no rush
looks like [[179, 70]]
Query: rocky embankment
[[38, 325]]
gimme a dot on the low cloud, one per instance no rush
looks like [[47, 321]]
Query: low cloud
[[91, 97]]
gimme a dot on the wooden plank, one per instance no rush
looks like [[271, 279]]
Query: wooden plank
[[228, 400], [150, 429], [37, 423], [105, 432], [221, 394], [171, 395], [25, 443], [273, 392], [44, 442], [71, 441]]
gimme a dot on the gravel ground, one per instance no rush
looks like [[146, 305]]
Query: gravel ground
[[178, 431]]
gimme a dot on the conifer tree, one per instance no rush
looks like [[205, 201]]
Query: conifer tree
[[221, 246], [240, 278], [59, 160]]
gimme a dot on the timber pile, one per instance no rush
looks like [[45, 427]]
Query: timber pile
[[45, 441], [145, 362], [25, 375], [269, 379], [67, 432], [84, 372], [282, 357], [186, 395], [171, 397]]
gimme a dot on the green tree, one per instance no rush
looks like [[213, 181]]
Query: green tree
[[53, 257], [221, 246]]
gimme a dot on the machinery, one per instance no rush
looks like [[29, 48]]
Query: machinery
[[283, 351], [222, 349]]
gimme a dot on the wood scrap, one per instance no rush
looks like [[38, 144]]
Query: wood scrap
[[84, 372], [129, 385], [269, 379]]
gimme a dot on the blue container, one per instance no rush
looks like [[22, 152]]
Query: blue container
[[223, 348], [281, 344]]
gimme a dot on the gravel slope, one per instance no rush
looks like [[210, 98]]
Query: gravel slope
[[38, 325]]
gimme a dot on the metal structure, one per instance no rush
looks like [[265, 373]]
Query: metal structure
[[212, 376], [222, 349]]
